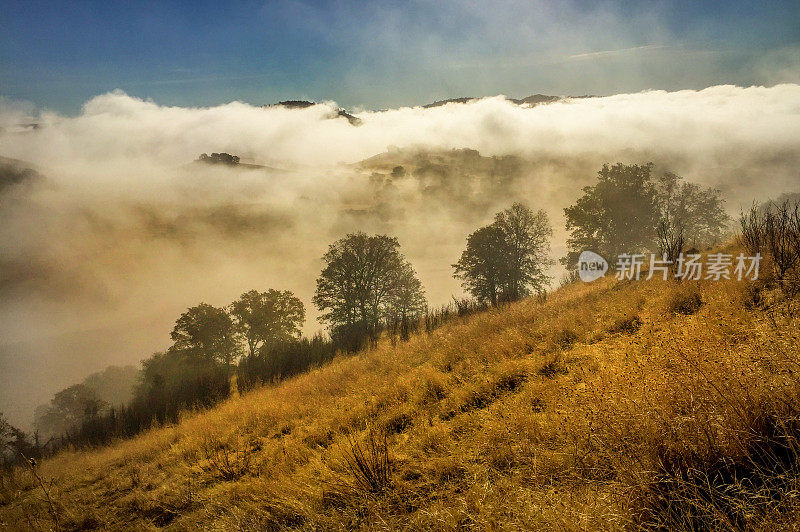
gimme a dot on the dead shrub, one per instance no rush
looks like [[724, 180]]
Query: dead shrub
[[225, 461], [685, 302], [511, 381], [626, 325], [565, 338], [553, 368], [432, 389], [752, 230], [367, 465], [447, 469], [11, 484], [477, 399], [753, 296], [398, 423], [774, 231]]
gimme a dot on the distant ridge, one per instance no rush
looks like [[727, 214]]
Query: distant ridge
[[303, 104], [534, 99], [439, 103], [15, 172]]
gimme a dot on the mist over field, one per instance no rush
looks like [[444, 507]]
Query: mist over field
[[117, 231]]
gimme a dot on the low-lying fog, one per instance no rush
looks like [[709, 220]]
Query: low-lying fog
[[118, 231]]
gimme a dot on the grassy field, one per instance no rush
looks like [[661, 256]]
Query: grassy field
[[607, 406]]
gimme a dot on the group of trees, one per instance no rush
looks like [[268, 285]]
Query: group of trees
[[265, 319], [219, 158], [631, 210], [67, 410], [368, 286], [365, 288], [194, 372], [70, 407], [207, 344]]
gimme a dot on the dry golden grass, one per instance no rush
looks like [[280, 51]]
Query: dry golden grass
[[583, 412]]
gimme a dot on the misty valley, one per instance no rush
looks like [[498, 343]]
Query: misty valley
[[325, 266]]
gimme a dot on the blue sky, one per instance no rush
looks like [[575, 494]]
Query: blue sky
[[386, 53]]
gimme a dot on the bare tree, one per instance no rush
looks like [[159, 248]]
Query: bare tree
[[670, 239], [774, 230], [752, 228], [781, 239]]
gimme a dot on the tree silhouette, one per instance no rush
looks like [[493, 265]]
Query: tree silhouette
[[364, 280], [265, 319], [526, 236], [696, 212], [505, 261], [408, 297], [481, 265], [206, 333], [219, 158], [67, 410], [14, 445]]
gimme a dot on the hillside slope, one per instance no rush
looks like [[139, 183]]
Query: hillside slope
[[610, 405]]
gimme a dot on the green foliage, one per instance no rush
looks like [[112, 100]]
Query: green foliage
[[505, 261], [481, 264]]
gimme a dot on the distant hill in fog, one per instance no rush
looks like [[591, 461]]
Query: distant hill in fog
[[534, 99], [14, 172], [303, 104]]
